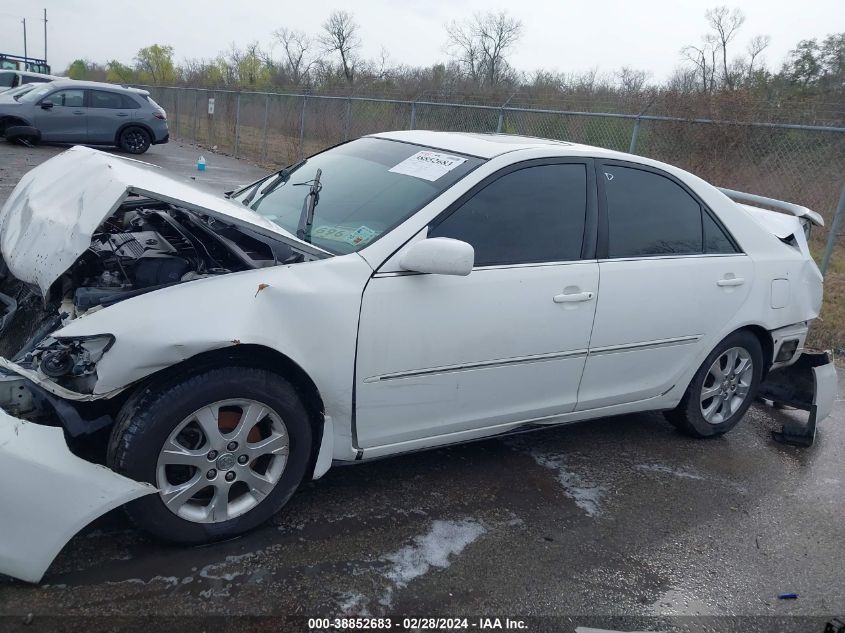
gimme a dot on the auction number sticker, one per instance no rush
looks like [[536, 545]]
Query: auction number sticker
[[428, 165]]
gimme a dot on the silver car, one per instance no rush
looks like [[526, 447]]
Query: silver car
[[88, 112]]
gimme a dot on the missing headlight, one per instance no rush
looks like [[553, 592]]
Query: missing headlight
[[71, 362]]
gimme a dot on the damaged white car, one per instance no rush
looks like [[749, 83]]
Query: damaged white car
[[398, 292]]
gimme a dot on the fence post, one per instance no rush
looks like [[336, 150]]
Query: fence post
[[634, 135], [196, 115], [237, 123], [302, 127], [264, 138], [348, 119], [501, 121], [413, 115], [834, 229], [176, 112]]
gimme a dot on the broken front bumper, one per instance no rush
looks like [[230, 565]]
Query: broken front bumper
[[809, 384], [47, 495]]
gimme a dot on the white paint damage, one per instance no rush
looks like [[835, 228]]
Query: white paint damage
[[66, 493], [51, 216]]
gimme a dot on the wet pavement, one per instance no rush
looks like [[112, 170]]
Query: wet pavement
[[617, 517], [222, 173]]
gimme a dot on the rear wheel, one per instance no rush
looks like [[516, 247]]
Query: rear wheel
[[226, 449], [135, 140], [722, 389]]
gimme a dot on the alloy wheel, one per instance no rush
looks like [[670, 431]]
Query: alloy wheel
[[727, 385], [222, 460]]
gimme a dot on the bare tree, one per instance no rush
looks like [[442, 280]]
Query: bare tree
[[704, 59], [481, 45], [755, 47], [341, 36], [632, 80], [296, 46], [725, 23]]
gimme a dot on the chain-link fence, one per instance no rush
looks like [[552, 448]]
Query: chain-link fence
[[799, 163]]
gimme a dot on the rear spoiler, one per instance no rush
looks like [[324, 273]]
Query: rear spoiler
[[778, 205]]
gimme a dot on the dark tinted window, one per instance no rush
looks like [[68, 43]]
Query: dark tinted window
[[129, 102], [536, 214], [103, 99], [35, 80], [649, 214], [7, 80], [715, 239]]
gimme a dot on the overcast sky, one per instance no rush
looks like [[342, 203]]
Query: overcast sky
[[566, 35]]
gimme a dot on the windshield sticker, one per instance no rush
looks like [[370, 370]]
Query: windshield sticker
[[355, 237], [361, 235], [428, 165], [329, 232]]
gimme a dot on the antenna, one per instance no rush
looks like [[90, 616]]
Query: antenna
[[45, 36]]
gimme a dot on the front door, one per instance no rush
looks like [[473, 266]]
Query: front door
[[442, 354], [671, 280], [66, 120]]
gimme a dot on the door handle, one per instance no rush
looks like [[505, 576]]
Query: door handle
[[78, 112], [730, 281], [122, 114], [573, 298]]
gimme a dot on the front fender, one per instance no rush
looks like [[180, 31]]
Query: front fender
[[307, 312]]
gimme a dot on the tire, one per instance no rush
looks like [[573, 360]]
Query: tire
[[260, 486], [134, 140], [23, 134], [701, 416]]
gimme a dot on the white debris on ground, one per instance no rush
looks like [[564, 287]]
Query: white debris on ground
[[432, 549], [585, 494], [352, 603], [668, 470]]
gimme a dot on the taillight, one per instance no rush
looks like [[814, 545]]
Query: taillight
[[161, 115]]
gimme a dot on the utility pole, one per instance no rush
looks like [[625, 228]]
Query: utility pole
[[45, 36], [23, 21]]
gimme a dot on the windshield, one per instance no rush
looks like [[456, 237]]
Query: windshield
[[35, 94], [365, 190]]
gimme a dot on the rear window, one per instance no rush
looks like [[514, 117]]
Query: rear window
[[7, 80]]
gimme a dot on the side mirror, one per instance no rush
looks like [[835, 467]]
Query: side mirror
[[46, 105], [439, 256]]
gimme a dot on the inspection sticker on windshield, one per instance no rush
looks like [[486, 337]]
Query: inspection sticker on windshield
[[428, 165]]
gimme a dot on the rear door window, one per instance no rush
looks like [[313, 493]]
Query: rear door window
[[105, 99]]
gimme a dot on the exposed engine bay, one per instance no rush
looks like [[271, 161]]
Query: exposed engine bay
[[145, 246]]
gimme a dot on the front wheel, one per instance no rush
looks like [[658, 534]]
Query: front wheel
[[226, 449], [135, 140], [722, 389]]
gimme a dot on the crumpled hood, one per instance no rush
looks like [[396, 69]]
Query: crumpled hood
[[51, 216]]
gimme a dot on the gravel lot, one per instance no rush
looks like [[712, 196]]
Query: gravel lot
[[618, 523]]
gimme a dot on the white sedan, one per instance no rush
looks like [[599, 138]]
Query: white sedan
[[398, 292]]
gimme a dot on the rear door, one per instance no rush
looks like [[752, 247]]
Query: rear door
[[671, 280], [107, 111], [61, 116], [440, 354]]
